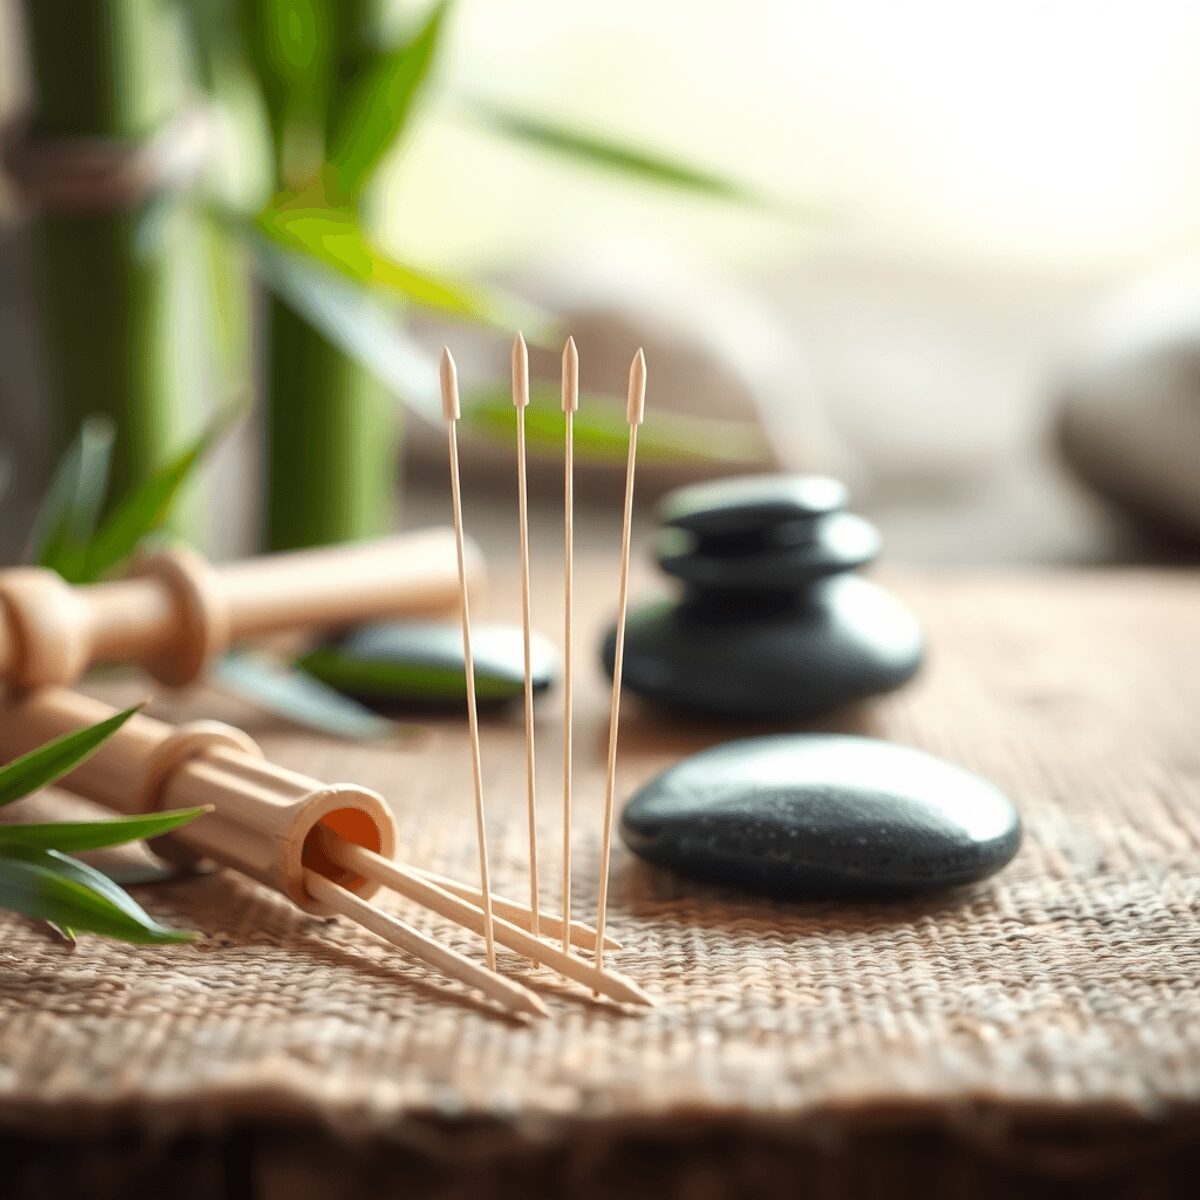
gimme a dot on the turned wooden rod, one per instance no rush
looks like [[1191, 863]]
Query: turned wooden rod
[[263, 816], [178, 611]]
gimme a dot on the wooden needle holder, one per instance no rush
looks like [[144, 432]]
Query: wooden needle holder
[[263, 817], [177, 611]]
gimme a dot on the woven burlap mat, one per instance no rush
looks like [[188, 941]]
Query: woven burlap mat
[[1066, 986]]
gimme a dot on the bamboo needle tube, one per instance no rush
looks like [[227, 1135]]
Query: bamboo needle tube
[[265, 821], [179, 611]]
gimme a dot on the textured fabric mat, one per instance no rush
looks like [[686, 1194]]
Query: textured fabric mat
[[1068, 983]]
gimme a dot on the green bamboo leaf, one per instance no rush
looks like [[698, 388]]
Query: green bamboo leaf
[[300, 698], [69, 893], [290, 45], [43, 766], [378, 104], [96, 835], [334, 237], [147, 506], [602, 431], [597, 150], [67, 518], [365, 328]]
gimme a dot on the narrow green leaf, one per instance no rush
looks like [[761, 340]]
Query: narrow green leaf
[[365, 328], [69, 893], [43, 766], [334, 237], [602, 430], [300, 698], [147, 506], [378, 104], [290, 45], [67, 518], [95, 835], [597, 150]]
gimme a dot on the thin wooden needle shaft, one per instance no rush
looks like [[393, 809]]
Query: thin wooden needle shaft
[[520, 391], [582, 936], [637, 403], [570, 402], [450, 407], [407, 883], [496, 987]]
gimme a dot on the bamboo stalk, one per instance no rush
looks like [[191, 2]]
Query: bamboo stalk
[[117, 288], [331, 441]]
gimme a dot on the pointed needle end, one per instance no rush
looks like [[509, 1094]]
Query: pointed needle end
[[570, 377], [450, 406], [520, 372], [636, 409]]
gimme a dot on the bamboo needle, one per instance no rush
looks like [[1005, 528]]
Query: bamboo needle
[[582, 936], [634, 412], [451, 411], [520, 395], [442, 958], [570, 402], [408, 883]]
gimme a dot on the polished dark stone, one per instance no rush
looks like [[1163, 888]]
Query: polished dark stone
[[421, 662], [807, 816], [750, 504], [835, 543], [771, 657]]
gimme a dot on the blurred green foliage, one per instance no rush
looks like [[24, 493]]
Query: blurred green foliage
[[339, 87]]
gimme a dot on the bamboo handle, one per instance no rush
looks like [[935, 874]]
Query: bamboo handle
[[263, 816], [178, 612]]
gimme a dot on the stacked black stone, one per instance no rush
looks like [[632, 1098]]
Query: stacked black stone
[[773, 623]]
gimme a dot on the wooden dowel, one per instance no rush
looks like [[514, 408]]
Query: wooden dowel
[[635, 412], [179, 611], [582, 936], [570, 403], [520, 395], [407, 883], [451, 410], [513, 996]]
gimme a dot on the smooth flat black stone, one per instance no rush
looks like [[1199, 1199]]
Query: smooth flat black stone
[[806, 816], [750, 504], [393, 663], [771, 657], [836, 543]]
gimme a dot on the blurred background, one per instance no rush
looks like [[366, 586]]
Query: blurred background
[[940, 250]]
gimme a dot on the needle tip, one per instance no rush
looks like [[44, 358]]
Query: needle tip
[[450, 406], [533, 1005], [520, 372], [570, 377], [637, 389]]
